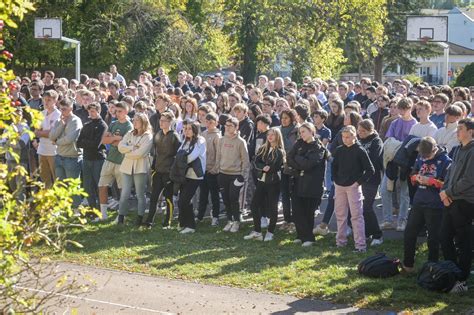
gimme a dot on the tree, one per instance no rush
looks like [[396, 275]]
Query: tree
[[267, 32], [396, 51], [134, 35], [466, 77]]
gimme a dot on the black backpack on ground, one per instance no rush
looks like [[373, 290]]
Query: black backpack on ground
[[379, 266], [438, 276]]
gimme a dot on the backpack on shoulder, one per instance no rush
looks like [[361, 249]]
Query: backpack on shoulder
[[379, 266], [438, 276]]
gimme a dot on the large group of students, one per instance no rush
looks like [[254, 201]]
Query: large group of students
[[271, 146]]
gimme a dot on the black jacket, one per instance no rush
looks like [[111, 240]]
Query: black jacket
[[155, 122], [90, 139], [350, 165], [83, 114], [308, 162], [406, 156], [378, 116], [247, 130], [374, 147], [273, 159]]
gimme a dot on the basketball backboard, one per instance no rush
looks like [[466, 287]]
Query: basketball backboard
[[48, 28], [427, 28]]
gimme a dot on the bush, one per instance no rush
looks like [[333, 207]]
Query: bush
[[466, 77], [413, 78], [29, 213]]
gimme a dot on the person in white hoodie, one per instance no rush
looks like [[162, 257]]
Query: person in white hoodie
[[446, 136], [194, 146]]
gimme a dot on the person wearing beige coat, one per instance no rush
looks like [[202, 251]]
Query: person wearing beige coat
[[135, 146]]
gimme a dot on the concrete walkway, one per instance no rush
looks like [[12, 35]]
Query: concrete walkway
[[116, 292]]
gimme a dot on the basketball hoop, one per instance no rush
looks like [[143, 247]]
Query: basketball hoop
[[45, 37], [425, 39]]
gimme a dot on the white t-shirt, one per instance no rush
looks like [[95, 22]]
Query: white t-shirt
[[423, 130], [46, 146]]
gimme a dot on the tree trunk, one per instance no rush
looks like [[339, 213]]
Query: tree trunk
[[378, 68]]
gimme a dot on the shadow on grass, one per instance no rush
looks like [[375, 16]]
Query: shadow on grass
[[210, 255]]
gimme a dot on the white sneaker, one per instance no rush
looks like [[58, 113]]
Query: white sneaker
[[227, 227], [187, 231], [401, 225], [235, 227], [215, 222], [459, 287], [319, 230], [307, 244], [376, 241], [297, 241], [254, 236], [264, 222], [268, 237]]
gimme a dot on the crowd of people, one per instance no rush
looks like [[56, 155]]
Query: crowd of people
[[271, 146]]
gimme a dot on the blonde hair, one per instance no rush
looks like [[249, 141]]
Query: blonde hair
[[146, 127], [265, 149]]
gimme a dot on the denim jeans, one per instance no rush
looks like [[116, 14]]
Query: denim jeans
[[139, 180], [328, 175], [91, 175], [387, 200], [68, 167]]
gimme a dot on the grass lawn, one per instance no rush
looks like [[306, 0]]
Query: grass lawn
[[212, 256]]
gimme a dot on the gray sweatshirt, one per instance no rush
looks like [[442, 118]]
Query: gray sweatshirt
[[459, 184], [65, 135]]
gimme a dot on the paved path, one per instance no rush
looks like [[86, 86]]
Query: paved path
[[118, 292]]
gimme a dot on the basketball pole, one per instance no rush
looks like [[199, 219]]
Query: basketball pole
[[78, 54], [446, 62]]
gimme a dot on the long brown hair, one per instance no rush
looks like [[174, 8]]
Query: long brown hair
[[195, 127], [146, 127], [265, 149]]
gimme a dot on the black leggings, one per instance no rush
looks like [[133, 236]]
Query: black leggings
[[231, 194], [161, 182], [186, 211], [286, 197], [303, 216], [209, 185], [265, 196]]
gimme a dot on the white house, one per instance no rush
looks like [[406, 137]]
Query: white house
[[460, 41]]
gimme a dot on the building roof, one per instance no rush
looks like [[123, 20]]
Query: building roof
[[467, 11], [459, 50]]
